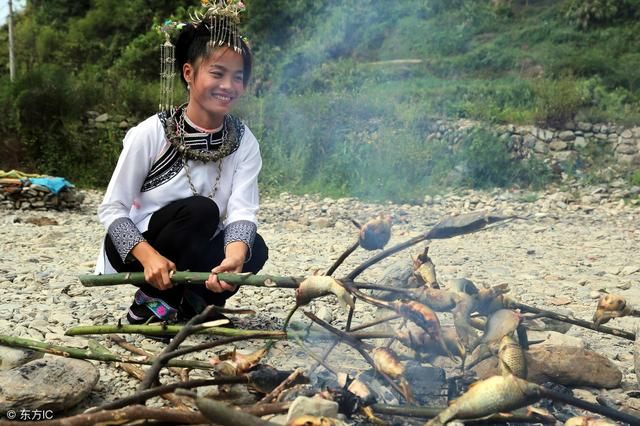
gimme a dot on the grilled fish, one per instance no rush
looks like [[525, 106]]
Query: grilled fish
[[375, 234], [511, 358], [493, 395], [320, 285]]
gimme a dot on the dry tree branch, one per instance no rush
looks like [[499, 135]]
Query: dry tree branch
[[281, 387], [152, 374], [357, 345]]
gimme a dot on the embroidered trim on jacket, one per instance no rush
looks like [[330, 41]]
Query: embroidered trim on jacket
[[242, 230], [125, 235]]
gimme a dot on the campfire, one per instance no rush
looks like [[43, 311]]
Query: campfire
[[436, 352]]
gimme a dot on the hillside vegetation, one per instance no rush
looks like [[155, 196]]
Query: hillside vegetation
[[343, 93]]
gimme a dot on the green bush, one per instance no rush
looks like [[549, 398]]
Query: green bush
[[558, 100], [486, 162]]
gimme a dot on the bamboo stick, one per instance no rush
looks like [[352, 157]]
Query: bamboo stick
[[248, 279], [78, 353], [164, 330]]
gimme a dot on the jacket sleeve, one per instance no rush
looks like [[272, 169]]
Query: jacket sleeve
[[242, 209], [134, 163]]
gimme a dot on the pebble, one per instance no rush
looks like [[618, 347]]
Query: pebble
[[575, 249]]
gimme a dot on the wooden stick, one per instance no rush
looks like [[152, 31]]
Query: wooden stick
[[447, 227], [139, 351], [71, 352], [141, 396], [376, 322], [138, 373], [221, 414], [342, 258], [346, 338], [581, 323], [281, 387], [611, 413], [161, 360]]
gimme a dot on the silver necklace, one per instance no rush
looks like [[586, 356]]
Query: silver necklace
[[185, 161]]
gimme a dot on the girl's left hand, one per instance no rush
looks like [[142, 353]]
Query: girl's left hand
[[229, 264]]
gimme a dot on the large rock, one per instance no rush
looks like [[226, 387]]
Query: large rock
[[567, 135], [14, 357], [568, 366], [558, 145], [54, 383], [312, 407]]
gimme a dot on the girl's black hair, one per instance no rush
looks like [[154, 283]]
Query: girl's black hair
[[193, 44]]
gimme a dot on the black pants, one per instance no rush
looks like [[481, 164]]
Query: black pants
[[182, 231]]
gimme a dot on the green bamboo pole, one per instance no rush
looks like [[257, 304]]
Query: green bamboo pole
[[164, 330], [96, 354], [248, 279], [137, 278]]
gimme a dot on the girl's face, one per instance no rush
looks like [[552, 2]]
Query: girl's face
[[216, 82]]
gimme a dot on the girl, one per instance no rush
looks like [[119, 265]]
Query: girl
[[184, 192]]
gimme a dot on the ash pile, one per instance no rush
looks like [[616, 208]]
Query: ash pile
[[23, 191]]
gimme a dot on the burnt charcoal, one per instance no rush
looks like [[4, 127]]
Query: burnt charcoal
[[323, 380], [265, 378], [426, 382], [348, 403], [379, 387], [559, 410], [289, 395]]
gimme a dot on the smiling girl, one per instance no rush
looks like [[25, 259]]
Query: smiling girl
[[184, 193]]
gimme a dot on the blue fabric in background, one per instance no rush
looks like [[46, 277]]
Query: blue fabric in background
[[54, 184]]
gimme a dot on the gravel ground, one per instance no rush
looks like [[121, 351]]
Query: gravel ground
[[574, 244]]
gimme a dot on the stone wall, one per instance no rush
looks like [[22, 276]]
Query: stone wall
[[558, 144], [18, 194]]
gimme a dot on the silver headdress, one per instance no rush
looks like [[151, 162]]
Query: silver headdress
[[221, 18]]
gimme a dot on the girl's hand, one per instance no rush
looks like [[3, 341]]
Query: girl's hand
[[229, 264], [157, 268], [235, 255]]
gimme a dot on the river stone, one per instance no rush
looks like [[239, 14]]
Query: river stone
[[303, 405], [14, 357], [54, 383], [568, 366]]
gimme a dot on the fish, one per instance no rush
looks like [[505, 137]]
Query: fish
[[375, 234], [357, 387], [236, 363], [462, 285], [588, 421], [511, 358], [439, 300], [489, 300], [320, 285], [387, 361], [493, 395], [501, 323], [462, 320], [610, 306], [420, 341]]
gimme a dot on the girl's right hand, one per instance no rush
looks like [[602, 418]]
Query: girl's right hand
[[157, 268], [158, 272]]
